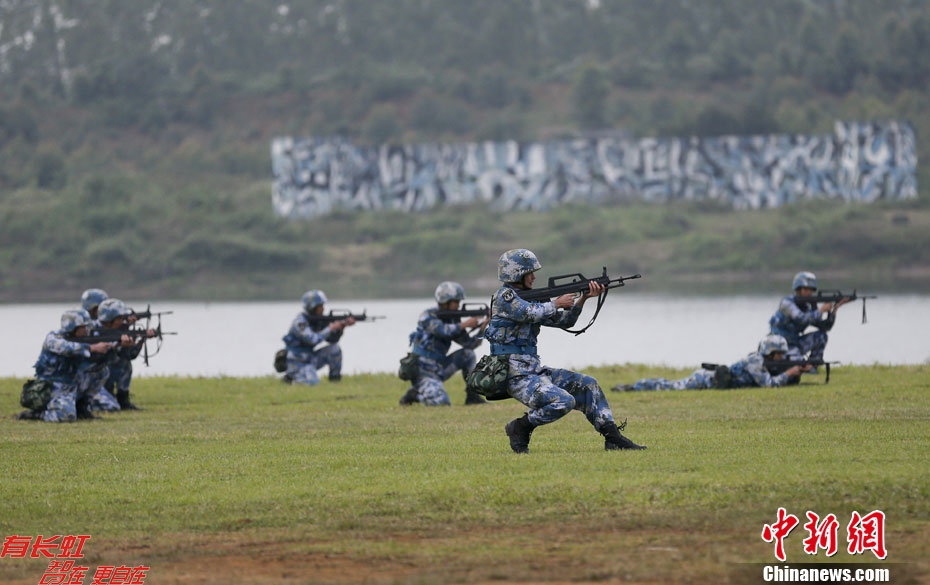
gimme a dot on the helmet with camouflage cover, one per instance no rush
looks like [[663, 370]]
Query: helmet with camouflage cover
[[773, 343], [110, 309], [805, 279], [92, 297], [514, 264], [449, 291], [313, 299], [71, 320]]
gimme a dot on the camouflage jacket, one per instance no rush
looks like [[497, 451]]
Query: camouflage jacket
[[750, 371], [303, 337], [791, 319], [434, 336], [515, 323], [60, 359]]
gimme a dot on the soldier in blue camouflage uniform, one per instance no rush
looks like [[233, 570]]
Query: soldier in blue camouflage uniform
[[792, 319], [91, 299], [549, 393], [431, 342], [60, 364], [114, 314], [303, 359], [746, 373]]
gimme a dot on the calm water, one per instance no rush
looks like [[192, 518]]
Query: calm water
[[239, 339]]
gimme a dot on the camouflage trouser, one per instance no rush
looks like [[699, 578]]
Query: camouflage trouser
[[91, 383], [305, 372], [61, 407], [699, 380], [813, 343], [551, 394], [431, 374], [120, 376]]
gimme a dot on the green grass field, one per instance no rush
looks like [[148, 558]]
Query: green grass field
[[252, 481]]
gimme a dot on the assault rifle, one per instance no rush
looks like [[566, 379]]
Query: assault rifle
[[578, 284], [833, 296], [148, 314], [340, 315], [467, 310], [116, 335], [776, 367]]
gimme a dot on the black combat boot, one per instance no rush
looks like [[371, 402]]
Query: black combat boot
[[722, 377], [622, 388], [122, 396], [335, 377], [82, 408], [614, 441], [29, 415], [409, 397], [519, 431], [472, 397]]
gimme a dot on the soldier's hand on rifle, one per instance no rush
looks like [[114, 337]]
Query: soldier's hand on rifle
[[565, 302], [132, 318], [594, 289], [126, 341], [470, 323], [841, 302], [349, 321], [793, 371], [337, 326], [100, 347], [484, 325]]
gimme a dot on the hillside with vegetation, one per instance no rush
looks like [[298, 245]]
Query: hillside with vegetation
[[134, 137]]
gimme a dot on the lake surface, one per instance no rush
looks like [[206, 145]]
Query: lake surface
[[240, 339]]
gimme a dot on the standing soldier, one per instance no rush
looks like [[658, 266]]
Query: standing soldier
[[792, 318], [431, 342], [549, 393], [746, 373], [303, 360], [59, 364], [91, 299]]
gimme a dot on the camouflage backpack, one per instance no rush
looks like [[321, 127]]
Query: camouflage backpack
[[408, 368], [489, 378], [36, 394], [280, 360]]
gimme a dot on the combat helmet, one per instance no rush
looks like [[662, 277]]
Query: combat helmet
[[111, 309], [71, 320], [773, 343], [313, 299], [805, 279], [449, 291], [92, 297], [514, 264]]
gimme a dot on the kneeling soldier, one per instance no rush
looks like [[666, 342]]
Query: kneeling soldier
[[549, 393], [303, 360], [114, 314], [431, 342], [59, 364], [747, 373], [793, 317]]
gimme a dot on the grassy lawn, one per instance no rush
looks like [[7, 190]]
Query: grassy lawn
[[251, 481]]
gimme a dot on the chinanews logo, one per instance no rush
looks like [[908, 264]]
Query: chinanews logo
[[864, 533]]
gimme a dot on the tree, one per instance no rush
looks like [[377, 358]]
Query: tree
[[590, 97]]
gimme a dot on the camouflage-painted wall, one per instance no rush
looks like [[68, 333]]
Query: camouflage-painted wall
[[860, 161]]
